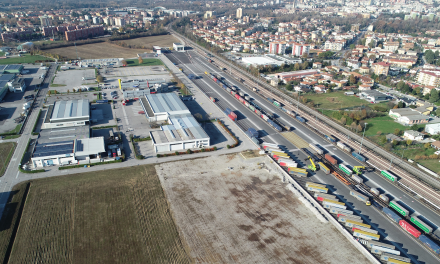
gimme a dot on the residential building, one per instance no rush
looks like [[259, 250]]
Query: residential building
[[45, 21], [391, 46], [300, 49], [209, 14], [239, 13], [381, 68], [119, 21], [413, 135], [428, 78], [334, 45], [277, 47], [435, 144]]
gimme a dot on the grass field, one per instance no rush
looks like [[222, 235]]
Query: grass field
[[433, 164], [383, 123], [108, 50], [6, 150], [111, 216], [145, 62], [336, 100], [24, 59]]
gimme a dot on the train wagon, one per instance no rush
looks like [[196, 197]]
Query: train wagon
[[430, 244], [335, 210], [380, 244], [358, 156], [365, 229], [409, 228], [398, 208], [345, 169], [343, 146], [391, 214], [266, 144], [389, 175], [330, 159], [330, 138], [321, 196], [315, 148], [324, 168], [329, 203], [365, 235], [344, 218], [395, 261], [297, 171], [422, 225]]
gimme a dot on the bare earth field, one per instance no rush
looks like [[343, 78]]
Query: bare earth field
[[108, 50], [109, 216], [229, 210]]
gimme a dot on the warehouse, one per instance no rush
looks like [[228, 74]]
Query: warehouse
[[182, 132], [68, 152], [179, 47], [67, 114]]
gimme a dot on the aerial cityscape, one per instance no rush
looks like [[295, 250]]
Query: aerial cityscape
[[253, 131]]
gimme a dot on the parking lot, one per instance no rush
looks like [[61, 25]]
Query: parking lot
[[73, 79], [112, 75], [71, 96], [102, 115]]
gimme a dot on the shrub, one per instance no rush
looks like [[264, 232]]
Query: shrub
[[215, 148], [228, 146], [177, 153], [158, 155], [188, 151], [203, 150]]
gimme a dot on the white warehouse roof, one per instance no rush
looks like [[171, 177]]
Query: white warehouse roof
[[261, 61], [168, 103], [73, 109]]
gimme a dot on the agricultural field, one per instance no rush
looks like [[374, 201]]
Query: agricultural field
[[336, 101], [97, 51], [109, 216], [234, 210], [7, 150], [149, 42], [24, 59]]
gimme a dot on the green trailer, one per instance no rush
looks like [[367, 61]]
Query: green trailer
[[399, 208], [389, 175], [427, 229]]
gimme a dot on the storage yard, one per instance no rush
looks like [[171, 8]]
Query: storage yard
[[229, 209]]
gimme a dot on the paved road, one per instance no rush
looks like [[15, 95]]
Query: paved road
[[197, 65]]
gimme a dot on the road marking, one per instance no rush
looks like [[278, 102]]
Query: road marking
[[18, 172]]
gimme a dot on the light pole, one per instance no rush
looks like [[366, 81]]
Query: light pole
[[297, 102], [362, 141]]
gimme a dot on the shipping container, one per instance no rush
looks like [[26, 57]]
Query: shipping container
[[389, 175], [395, 261], [241, 93], [270, 100], [430, 244], [409, 228], [335, 210], [273, 149], [344, 218], [364, 229], [326, 196], [286, 162], [330, 138], [252, 107], [266, 144], [359, 196], [317, 189], [276, 104], [255, 140], [302, 120], [254, 89], [345, 169], [375, 191], [247, 98], [358, 156], [284, 109], [385, 256], [398, 208], [378, 206], [324, 168], [279, 154], [233, 88], [227, 111], [258, 112], [298, 171], [384, 198], [380, 250], [422, 225], [330, 159], [380, 244], [233, 116], [237, 96], [334, 202], [343, 146], [365, 235], [229, 90], [352, 223], [315, 148], [357, 178], [264, 117], [315, 184], [233, 93], [330, 205], [391, 214]]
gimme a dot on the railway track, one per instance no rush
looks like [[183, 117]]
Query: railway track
[[409, 182]]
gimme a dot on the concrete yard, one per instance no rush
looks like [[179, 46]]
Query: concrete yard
[[72, 79], [233, 210]]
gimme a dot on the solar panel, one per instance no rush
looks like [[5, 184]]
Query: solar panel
[[79, 146]]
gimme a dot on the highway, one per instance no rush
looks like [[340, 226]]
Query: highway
[[197, 65]]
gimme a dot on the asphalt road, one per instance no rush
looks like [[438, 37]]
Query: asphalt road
[[389, 231]]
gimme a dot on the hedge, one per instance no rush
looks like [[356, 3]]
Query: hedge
[[230, 133], [102, 127], [187, 152], [91, 165], [35, 125], [136, 154]]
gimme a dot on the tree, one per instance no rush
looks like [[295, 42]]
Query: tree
[[437, 111], [352, 46], [383, 140], [140, 60], [99, 78], [289, 87], [427, 145], [353, 125], [124, 62], [198, 116], [397, 131], [343, 120], [401, 105], [352, 79], [434, 96], [409, 142], [414, 127]]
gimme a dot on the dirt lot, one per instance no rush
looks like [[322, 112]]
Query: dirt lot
[[110, 216], [149, 42], [108, 50], [246, 215], [97, 51]]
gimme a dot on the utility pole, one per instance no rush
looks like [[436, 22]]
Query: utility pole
[[362, 141]]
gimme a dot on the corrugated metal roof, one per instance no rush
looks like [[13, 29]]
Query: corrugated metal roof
[[166, 102], [89, 146], [70, 109]]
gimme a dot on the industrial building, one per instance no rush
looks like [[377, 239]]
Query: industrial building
[[182, 132], [67, 114], [138, 88], [261, 61], [178, 47]]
